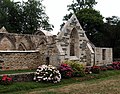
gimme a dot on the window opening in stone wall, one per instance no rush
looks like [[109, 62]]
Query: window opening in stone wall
[[103, 54], [72, 52], [74, 43], [47, 60], [6, 44]]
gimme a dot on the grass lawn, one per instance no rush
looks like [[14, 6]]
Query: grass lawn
[[109, 85], [104, 83]]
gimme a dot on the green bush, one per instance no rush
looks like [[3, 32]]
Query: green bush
[[79, 69]]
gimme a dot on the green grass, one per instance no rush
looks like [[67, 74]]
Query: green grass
[[17, 88], [15, 71]]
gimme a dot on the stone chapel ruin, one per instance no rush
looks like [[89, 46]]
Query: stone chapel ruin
[[24, 51]]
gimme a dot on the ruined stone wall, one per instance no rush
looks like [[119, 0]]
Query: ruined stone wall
[[72, 41], [20, 60], [21, 42], [52, 51], [101, 57], [89, 57], [17, 51]]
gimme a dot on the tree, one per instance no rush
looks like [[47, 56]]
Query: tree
[[91, 21], [34, 17], [8, 14], [111, 34], [77, 5], [25, 17]]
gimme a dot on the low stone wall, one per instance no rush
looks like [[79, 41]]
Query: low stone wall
[[20, 60], [22, 77]]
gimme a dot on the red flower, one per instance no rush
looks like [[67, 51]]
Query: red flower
[[96, 67], [6, 80]]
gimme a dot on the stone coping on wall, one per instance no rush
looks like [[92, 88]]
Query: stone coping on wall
[[16, 51], [17, 73], [73, 58]]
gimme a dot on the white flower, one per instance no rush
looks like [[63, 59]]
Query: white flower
[[34, 78], [47, 73], [50, 75], [90, 72], [37, 73], [45, 78], [49, 78], [39, 77], [39, 80]]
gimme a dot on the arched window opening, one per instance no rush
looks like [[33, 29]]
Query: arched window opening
[[72, 52], [21, 47], [74, 43], [6, 44]]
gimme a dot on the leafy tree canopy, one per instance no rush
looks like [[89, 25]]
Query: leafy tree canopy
[[111, 33], [23, 17], [77, 5]]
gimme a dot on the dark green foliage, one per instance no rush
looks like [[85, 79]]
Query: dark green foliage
[[110, 35], [34, 17], [91, 21], [77, 5], [25, 17], [9, 15], [79, 69]]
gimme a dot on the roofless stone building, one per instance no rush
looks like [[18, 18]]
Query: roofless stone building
[[23, 51]]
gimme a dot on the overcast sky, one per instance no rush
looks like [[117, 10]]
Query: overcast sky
[[56, 9]]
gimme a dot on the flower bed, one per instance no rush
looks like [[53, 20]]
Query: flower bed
[[27, 86], [69, 69]]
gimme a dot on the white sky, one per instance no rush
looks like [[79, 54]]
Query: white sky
[[56, 9]]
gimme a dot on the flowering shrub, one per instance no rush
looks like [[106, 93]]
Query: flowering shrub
[[116, 65], [95, 69], [65, 70], [103, 68], [79, 69], [110, 68], [47, 74], [88, 70], [6, 80]]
